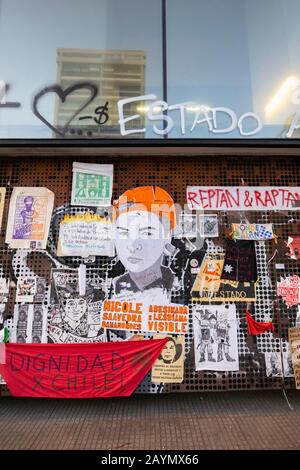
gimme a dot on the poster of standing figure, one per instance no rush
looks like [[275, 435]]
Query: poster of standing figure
[[74, 318], [29, 217], [215, 337]]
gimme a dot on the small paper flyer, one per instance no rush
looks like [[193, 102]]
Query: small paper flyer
[[92, 184], [29, 217]]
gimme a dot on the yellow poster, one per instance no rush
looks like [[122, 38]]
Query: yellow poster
[[208, 285], [168, 368], [2, 201]]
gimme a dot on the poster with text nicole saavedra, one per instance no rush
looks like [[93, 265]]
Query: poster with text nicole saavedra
[[142, 298]]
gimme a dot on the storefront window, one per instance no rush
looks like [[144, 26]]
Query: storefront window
[[241, 55], [65, 64]]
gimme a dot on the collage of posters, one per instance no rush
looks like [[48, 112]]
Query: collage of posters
[[152, 280]]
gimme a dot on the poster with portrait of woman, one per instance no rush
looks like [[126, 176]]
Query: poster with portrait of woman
[[141, 298], [169, 366], [74, 318]]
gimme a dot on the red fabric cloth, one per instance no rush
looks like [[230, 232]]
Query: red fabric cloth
[[78, 370], [256, 327]]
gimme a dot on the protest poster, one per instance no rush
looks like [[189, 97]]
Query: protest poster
[[74, 318], [245, 198], [2, 201], [259, 232], [288, 288], [169, 366], [92, 184], [26, 289], [78, 370], [144, 317], [209, 287], [29, 217], [215, 337], [273, 364], [84, 235]]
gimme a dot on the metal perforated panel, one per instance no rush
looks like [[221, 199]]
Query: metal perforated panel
[[175, 175]]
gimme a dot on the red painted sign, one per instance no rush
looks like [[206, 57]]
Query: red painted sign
[[78, 370], [249, 198]]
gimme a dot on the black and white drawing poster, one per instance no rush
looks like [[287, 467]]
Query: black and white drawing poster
[[273, 364], [74, 318], [188, 225], [287, 363], [215, 337], [208, 225]]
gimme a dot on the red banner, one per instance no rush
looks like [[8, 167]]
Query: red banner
[[78, 370]]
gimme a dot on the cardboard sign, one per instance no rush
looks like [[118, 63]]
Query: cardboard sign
[[294, 340], [246, 198]]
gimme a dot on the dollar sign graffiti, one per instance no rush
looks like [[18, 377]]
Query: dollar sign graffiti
[[102, 114]]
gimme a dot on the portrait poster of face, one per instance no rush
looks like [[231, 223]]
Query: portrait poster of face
[[208, 225], [29, 217], [26, 289], [287, 364], [188, 225], [273, 364], [209, 287], [41, 290], [141, 297], [39, 324], [2, 201], [74, 318], [85, 235], [215, 337], [92, 184], [169, 366], [22, 332]]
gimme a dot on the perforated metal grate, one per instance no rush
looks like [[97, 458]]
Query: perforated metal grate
[[174, 176]]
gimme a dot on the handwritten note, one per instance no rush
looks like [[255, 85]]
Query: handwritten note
[[84, 235]]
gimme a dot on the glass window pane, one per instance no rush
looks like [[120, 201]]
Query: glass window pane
[[236, 54], [107, 48]]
